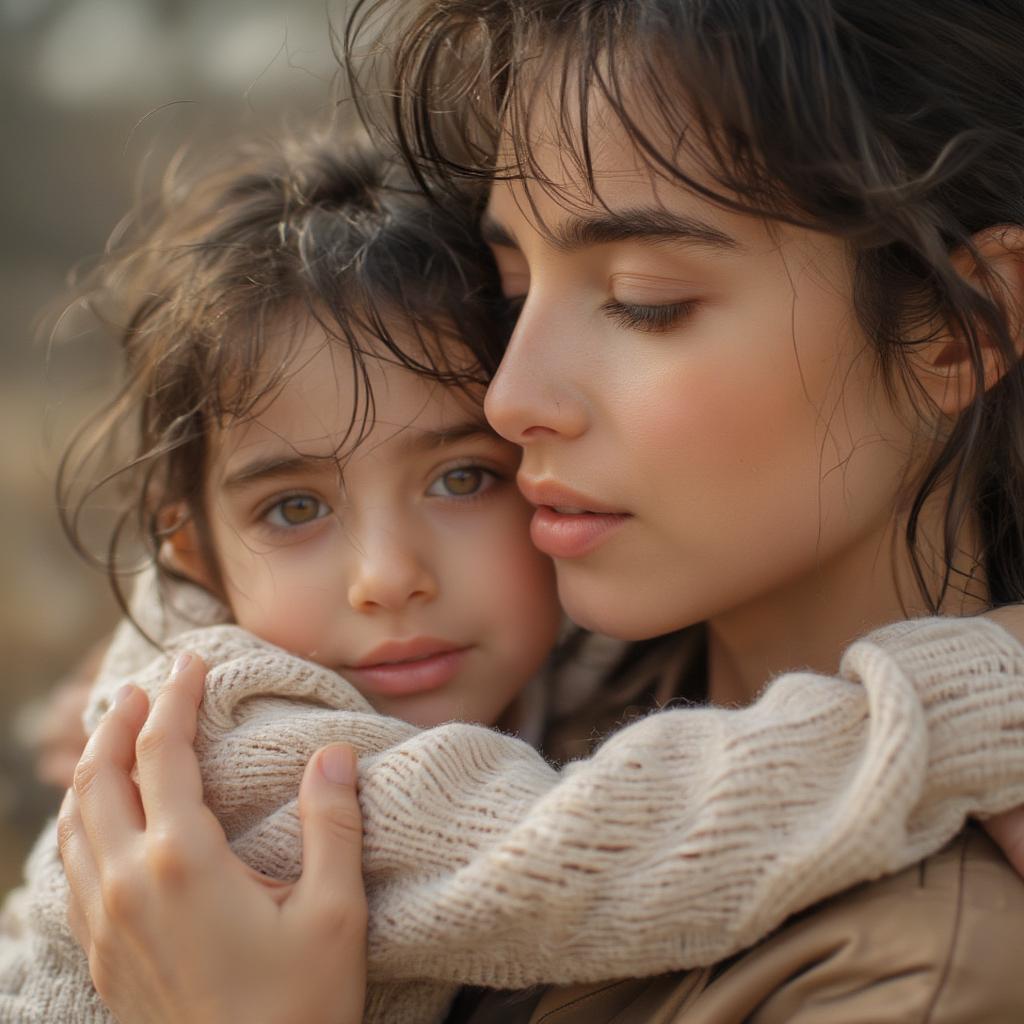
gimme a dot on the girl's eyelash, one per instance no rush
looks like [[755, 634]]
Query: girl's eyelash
[[264, 516], [646, 317], [493, 476]]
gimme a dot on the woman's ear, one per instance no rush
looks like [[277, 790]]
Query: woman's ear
[[995, 268], [181, 550]]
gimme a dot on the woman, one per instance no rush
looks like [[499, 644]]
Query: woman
[[766, 377]]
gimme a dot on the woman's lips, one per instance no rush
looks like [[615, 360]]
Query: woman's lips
[[400, 670], [568, 524], [571, 534]]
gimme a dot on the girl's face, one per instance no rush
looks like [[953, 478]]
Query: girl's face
[[703, 423], [409, 570]]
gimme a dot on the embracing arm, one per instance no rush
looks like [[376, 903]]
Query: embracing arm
[[690, 833]]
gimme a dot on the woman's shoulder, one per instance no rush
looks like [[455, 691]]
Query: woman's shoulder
[[939, 943]]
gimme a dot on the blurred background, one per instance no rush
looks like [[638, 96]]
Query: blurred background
[[96, 94]]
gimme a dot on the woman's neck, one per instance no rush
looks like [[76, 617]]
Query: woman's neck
[[808, 623]]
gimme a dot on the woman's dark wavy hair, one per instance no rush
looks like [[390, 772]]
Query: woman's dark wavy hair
[[201, 287], [897, 125]]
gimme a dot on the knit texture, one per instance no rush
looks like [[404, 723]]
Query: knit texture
[[685, 838]]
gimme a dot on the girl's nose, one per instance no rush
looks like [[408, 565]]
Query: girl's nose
[[389, 574], [535, 393]]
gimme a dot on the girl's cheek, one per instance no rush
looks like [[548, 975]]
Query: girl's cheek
[[528, 586], [285, 596]]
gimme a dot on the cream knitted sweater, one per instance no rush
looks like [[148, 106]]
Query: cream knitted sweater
[[686, 837]]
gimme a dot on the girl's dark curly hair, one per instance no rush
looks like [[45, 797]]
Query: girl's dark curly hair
[[199, 285]]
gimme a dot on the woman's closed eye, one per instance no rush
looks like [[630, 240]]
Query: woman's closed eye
[[653, 318], [295, 511]]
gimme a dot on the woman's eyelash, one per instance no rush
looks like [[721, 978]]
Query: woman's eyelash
[[648, 318]]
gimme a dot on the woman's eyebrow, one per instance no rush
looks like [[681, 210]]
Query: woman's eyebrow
[[640, 224]]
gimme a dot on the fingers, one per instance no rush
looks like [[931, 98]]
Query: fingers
[[1008, 831], [332, 836], [108, 799], [169, 779], [76, 922], [80, 868]]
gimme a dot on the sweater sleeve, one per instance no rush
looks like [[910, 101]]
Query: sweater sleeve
[[692, 833], [686, 837]]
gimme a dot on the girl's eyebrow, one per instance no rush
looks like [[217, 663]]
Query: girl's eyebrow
[[416, 440], [640, 224], [411, 440], [272, 466]]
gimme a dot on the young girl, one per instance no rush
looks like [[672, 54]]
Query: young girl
[[774, 422], [305, 345]]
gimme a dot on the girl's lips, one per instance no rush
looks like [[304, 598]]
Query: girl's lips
[[572, 534], [408, 677]]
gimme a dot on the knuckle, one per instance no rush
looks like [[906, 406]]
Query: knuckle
[[346, 915], [86, 773], [344, 823], [153, 739], [167, 858], [122, 901], [65, 833]]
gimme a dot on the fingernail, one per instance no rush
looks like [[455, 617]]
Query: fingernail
[[338, 765], [126, 691], [181, 662]]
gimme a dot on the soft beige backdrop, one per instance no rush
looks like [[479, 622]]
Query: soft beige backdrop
[[91, 89]]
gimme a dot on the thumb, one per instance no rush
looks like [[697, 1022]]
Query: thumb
[[332, 831]]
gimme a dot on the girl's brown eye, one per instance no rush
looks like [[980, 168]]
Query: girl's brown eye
[[461, 482], [296, 511]]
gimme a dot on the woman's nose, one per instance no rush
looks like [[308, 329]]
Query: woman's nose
[[389, 573], [535, 393]]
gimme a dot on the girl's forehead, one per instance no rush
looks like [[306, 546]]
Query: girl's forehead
[[324, 406]]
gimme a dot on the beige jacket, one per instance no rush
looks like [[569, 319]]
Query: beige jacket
[[939, 943]]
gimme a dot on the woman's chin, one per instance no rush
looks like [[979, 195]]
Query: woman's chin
[[619, 614]]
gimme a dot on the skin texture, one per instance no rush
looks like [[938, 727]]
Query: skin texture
[[406, 541], [714, 387]]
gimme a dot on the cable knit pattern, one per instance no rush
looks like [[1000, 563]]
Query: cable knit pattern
[[685, 838]]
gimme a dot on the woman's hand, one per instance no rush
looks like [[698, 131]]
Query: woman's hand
[[176, 927]]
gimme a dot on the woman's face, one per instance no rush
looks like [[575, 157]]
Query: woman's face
[[702, 418]]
